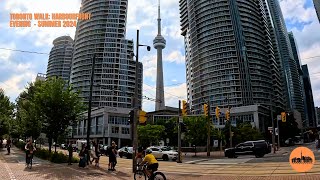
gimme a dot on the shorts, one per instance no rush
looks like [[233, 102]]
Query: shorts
[[153, 167]]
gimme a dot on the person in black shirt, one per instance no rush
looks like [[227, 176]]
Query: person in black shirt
[[70, 150]]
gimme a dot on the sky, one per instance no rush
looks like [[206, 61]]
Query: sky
[[17, 68]]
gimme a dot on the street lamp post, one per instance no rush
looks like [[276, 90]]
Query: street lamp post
[[134, 105], [90, 101]]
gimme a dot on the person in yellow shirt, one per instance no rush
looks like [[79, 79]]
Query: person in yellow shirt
[[151, 161]]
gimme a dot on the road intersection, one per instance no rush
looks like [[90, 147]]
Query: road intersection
[[272, 166]]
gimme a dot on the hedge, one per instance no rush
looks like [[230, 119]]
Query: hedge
[[55, 157]]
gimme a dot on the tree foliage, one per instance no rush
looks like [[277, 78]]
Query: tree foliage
[[6, 113], [48, 107], [28, 121], [197, 130], [171, 130], [150, 134], [243, 132]]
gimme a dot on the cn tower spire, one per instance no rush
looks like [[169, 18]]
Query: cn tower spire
[[159, 19], [159, 43]]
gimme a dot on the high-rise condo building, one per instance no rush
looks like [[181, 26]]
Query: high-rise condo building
[[297, 60], [292, 84], [104, 35], [311, 114], [114, 71], [59, 64], [317, 8], [230, 58]]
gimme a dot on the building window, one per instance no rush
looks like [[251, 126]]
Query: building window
[[125, 130], [115, 130]]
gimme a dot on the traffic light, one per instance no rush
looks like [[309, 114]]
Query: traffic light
[[206, 110], [217, 112], [283, 117], [131, 116], [228, 114], [142, 117], [184, 108], [183, 127]]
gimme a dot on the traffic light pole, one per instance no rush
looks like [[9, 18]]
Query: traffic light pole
[[135, 109], [179, 135], [209, 129]]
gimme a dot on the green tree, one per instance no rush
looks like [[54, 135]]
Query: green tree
[[59, 105], [243, 132], [150, 134], [28, 119], [6, 113], [171, 131], [289, 128], [197, 130]]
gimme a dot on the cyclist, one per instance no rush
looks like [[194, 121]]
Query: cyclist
[[151, 161], [29, 151]]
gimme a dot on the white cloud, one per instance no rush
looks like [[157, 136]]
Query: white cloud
[[175, 56], [172, 96], [6, 54], [16, 84], [294, 11]]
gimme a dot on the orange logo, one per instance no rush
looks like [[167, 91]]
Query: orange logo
[[302, 159]]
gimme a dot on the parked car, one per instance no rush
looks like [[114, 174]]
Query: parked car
[[63, 146], [289, 142], [126, 152], [168, 148], [298, 140], [257, 148], [163, 154]]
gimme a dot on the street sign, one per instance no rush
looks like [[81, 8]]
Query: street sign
[[279, 117], [180, 119], [269, 128], [167, 140], [215, 143], [276, 131]]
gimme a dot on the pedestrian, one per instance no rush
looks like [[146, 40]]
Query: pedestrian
[[113, 157], [82, 155], [8, 145], [95, 154], [139, 155], [70, 150], [87, 153]]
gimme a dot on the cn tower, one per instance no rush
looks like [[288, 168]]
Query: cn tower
[[159, 43]]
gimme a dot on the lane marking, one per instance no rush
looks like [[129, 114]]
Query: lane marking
[[195, 161]]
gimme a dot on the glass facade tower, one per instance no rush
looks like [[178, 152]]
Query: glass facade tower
[[230, 55], [104, 35], [59, 64]]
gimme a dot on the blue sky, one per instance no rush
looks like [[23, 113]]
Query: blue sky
[[16, 68]]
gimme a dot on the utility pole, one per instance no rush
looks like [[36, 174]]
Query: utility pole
[[134, 104], [209, 129], [90, 101], [179, 134]]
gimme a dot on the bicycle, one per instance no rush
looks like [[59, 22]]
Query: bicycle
[[141, 172]]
